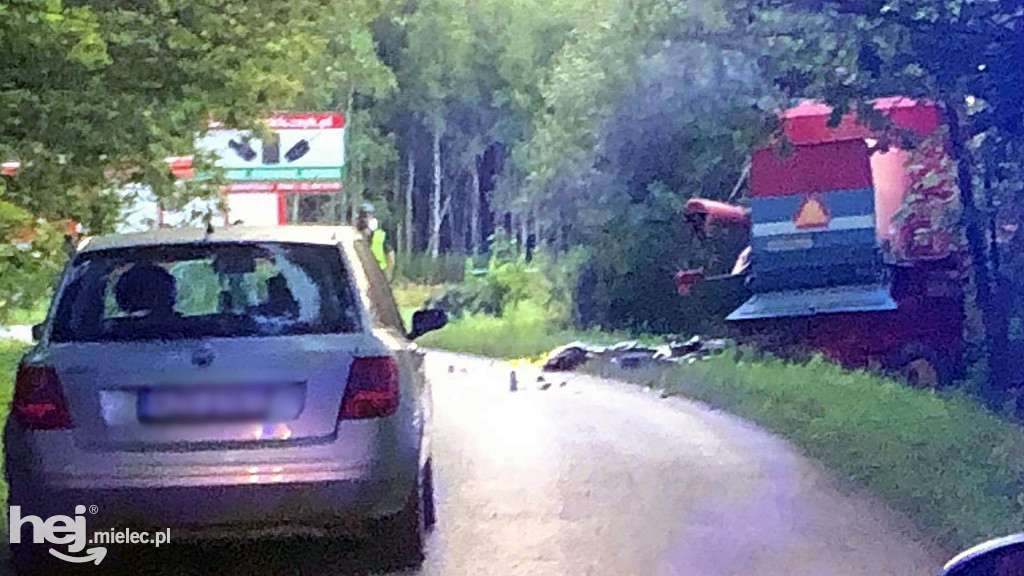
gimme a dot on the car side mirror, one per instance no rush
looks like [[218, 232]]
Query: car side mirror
[[37, 331], [999, 557], [424, 321]]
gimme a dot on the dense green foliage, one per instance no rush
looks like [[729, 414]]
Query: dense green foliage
[[420, 268], [497, 285], [95, 95], [953, 467]]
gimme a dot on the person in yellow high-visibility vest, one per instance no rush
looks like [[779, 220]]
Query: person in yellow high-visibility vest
[[377, 238]]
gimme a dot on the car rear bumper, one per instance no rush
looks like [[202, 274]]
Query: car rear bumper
[[226, 511], [337, 486]]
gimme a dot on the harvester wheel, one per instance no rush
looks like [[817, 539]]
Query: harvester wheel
[[922, 367]]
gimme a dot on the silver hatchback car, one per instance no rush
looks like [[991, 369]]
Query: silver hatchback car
[[243, 382]]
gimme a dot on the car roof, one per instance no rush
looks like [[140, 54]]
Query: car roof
[[305, 234]]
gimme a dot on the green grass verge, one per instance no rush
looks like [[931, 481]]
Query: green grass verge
[[953, 467], [33, 315], [10, 354], [525, 332], [522, 334], [413, 296]]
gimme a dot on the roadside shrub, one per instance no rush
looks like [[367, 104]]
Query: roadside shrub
[[30, 259], [478, 295], [10, 354], [420, 268], [506, 282], [561, 272]]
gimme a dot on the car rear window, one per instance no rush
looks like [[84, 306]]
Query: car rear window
[[206, 290]]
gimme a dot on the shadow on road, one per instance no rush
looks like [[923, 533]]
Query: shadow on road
[[278, 557]]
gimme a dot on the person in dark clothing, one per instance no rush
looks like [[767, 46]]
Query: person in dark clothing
[[146, 290], [280, 300]]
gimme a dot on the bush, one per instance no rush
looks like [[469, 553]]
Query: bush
[[525, 333], [420, 268], [10, 354], [507, 281], [475, 296], [28, 267], [561, 272]]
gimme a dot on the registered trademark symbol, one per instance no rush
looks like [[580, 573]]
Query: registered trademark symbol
[[94, 509]]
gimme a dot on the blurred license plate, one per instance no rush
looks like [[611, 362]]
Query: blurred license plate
[[190, 404]]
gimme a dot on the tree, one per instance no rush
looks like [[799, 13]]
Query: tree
[[635, 120], [96, 94], [349, 75]]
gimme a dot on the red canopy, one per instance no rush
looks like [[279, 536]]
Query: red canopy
[[807, 122], [842, 165]]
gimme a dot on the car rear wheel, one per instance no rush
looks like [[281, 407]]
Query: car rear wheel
[[29, 559], [922, 366], [26, 557], [427, 497], [399, 538]]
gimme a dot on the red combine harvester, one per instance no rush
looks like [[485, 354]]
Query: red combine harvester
[[852, 246]]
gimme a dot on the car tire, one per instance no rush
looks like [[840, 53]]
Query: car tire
[[30, 559], [400, 537], [427, 497], [921, 366], [25, 557]]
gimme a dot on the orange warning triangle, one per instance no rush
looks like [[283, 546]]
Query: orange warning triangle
[[812, 213]]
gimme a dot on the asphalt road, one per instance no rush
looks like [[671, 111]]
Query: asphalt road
[[601, 478]]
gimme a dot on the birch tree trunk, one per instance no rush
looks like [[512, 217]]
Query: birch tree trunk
[[524, 232], [396, 183], [474, 209], [435, 200], [351, 188], [463, 213], [536, 230], [410, 230]]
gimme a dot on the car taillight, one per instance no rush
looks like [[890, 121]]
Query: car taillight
[[39, 402], [372, 389]]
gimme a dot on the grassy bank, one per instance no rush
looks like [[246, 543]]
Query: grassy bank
[[953, 467], [33, 315], [10, 353], [523, 333], [526, 331]]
